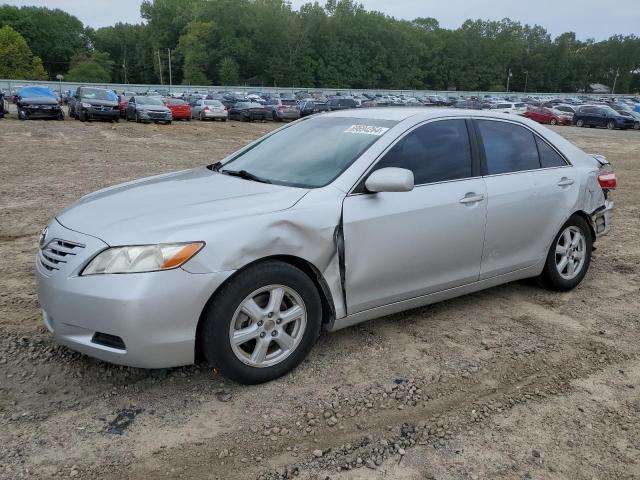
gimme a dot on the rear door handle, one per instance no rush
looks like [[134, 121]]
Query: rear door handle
[[565, 182], [472, 198]]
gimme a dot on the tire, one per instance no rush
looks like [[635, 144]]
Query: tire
[[611, 125], [224, 119], [553, 121], [60, 116], [82, 116], [22, 115], [636, 126], [201, 117], [557, 277], [137, 118], [224, 315], [580, 123]]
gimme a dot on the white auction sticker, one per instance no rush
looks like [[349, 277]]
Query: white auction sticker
[[366, 129]]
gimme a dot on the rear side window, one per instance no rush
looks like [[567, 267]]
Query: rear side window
[[548, 156], [508, 147], [435, 152]]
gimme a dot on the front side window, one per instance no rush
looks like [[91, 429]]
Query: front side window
[[310, 153], [508, 147], [435, 152]]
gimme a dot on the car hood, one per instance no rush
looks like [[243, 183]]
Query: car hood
[[173, 207], [153, 108]]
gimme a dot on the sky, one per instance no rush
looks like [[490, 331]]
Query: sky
[[598, 19]]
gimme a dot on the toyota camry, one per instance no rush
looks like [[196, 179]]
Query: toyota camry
[[329, 221]]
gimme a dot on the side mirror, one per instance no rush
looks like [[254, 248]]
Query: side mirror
[[390, 179]]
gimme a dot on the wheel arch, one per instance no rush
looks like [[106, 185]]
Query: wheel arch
[[587, 218], [314, 274]]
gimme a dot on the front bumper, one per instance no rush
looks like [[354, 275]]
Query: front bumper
[[108, 113], [42, 111], [154, 314], [214, 114]]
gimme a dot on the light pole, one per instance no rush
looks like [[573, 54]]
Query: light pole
[[615, 80], [526, 79], [508, 80]]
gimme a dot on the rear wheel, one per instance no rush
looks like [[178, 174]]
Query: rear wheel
[[611, 125], [636, 126], [569, 256], [580, 123], [263, 323], [553, 121]]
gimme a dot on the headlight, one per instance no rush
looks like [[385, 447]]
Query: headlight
[[142, 258], [86, 105]]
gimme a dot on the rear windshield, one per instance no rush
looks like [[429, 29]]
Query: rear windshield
[[213, 103], [289, 102], [177, 102], [310, 153]]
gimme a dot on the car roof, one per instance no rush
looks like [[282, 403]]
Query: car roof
[[399, 114]]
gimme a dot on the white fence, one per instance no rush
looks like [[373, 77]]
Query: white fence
[[9, 86]]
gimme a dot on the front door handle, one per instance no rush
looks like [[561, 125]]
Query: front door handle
[[472, 198], [565, 182]]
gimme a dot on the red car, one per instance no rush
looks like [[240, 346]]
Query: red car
[[179, 108], [548, 115]]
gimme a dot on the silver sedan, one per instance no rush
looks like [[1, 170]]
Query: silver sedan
[[324, 223]]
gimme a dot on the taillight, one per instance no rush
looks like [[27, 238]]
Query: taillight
[[282, 107], [206, 108], [607, 181]]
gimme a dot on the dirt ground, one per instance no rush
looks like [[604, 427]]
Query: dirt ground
[[511, 383]]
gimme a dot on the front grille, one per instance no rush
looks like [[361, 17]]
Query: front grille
[[158, 114], [56, 253]]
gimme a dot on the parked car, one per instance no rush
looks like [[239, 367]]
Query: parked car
[[562, 107], [282, 108], [142, 108], [548, 115], [124, 101], [206, 109], [2, 107], [509, 107], [90, 103], [309, 107], [38, 102], [324, 223], [468, 104], [601, 116], [626, 112], [341, 104], [180, 110], [248, 112]]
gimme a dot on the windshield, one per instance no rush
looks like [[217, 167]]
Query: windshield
[[99, 94], [214, 103], [310, 153], [149, 101]]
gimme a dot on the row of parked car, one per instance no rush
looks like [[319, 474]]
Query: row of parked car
[[91, 103]]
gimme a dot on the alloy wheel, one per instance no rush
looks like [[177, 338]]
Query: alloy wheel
[[268, 326], [570, 252]]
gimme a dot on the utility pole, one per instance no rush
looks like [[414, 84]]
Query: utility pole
[[170, 79], [124, 63], [615, 80], [160, 67], [526, 79]]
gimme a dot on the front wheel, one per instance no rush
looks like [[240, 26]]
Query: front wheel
[[262, 323], [553, 121], [580, 123], [611, 125], [569, 256]]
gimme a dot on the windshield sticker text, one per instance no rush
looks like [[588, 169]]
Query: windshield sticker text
[[366, 129]]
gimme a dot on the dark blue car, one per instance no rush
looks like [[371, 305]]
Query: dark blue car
[[601, 116]]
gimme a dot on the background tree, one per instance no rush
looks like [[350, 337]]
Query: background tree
[[95, 69], [229, 72], [16, 59]]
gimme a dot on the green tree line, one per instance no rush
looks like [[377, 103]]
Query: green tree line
[[339, 44]]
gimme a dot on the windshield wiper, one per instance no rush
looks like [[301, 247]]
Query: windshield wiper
[[245, 175]]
